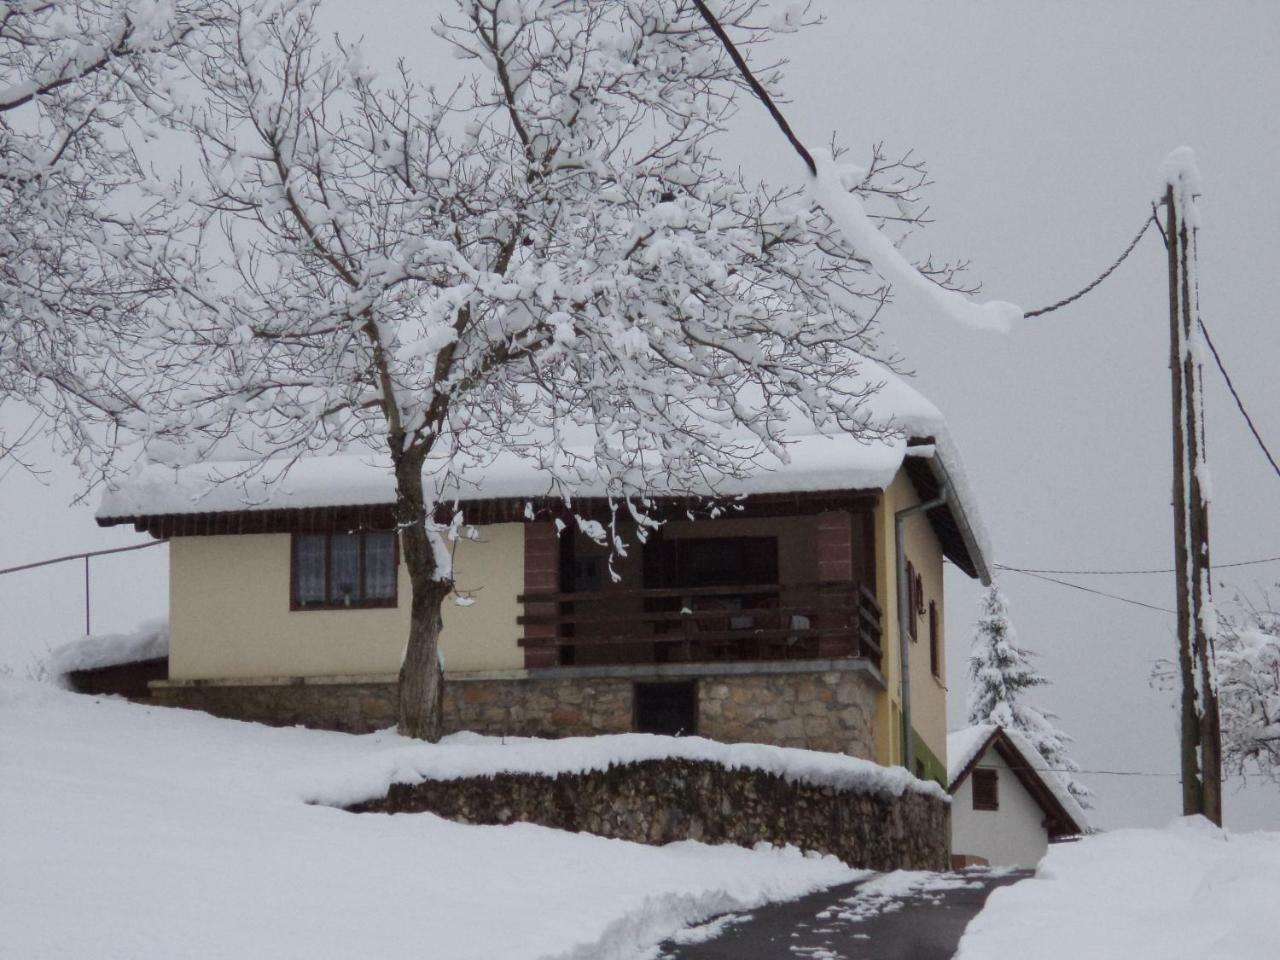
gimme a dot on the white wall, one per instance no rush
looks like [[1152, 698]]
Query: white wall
[[1012, 836]]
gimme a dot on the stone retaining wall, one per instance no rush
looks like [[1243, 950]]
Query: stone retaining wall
[[660, 801], [818, 709]]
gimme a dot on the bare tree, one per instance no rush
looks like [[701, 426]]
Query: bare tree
[[72, 73], [547, 260]]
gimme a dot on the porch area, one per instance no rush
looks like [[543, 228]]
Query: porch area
[[717, 591]]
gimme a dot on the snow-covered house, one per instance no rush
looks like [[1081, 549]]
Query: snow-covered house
[[776, 622], [1007, 805]]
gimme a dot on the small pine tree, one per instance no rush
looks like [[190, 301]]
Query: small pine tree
[[999, 672]]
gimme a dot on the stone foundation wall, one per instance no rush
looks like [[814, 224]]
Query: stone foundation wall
[[827, 709], [660, 801], [351, 706]]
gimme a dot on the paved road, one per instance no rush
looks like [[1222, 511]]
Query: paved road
[[844, 923]]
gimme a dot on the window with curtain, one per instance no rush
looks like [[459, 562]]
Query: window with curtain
[[339, 571]]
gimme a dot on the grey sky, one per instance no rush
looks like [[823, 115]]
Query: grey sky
[[1044, 125]]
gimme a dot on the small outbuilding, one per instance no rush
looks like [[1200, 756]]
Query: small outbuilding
[[1007, 805]]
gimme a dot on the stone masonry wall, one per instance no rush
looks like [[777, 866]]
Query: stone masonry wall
[[828, 710], [357, 707], [660, 801]]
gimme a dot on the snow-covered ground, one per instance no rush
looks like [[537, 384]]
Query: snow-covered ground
[[1189, 891], [134, 832]]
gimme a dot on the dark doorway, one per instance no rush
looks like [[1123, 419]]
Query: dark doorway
[[670, 709]]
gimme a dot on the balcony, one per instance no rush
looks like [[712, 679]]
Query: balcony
[[704, 624]]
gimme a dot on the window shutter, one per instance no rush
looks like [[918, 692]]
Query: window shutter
[[935, 641], [913, 601], [986, 789]]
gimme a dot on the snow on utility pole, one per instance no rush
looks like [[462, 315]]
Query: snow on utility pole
[[1201, 752]]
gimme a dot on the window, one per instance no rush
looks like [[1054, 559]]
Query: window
[[935, 642], [344, 570], [986, 790]]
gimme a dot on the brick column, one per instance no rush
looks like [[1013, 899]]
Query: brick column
[[541, 575], [834, 548]]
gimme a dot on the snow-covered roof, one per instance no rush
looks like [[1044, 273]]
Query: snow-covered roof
[[149, 641], [816, 460], [965, 747]]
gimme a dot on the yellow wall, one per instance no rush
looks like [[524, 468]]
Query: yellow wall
[[928, 693], [229, 613]]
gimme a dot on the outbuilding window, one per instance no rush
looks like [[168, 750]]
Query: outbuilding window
[[340, 571], [986, 789]]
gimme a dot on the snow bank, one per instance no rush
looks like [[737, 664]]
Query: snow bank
[[168, 833], [148, 641], [1188, 892], [471, 755]]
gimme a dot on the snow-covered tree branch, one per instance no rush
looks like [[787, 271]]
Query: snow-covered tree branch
[[72, 75]]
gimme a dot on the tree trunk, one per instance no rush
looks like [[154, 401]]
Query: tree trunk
[[421, 688]]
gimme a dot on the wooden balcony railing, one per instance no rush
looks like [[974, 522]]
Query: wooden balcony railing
[[827, 620]]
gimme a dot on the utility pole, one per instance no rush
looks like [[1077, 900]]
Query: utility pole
[[1201, 749]]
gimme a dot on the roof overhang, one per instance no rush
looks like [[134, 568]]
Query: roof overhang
[[477, 512], [950, 521]]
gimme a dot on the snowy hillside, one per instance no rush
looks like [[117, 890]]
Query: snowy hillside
[[136, 832]]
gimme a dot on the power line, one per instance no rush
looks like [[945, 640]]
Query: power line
[[1102, 276], [1097, 773], [1100, 593], [1239, 403], [756, 87], [1128, 572]]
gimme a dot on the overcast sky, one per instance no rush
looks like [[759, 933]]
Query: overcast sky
[[1044, 126]]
